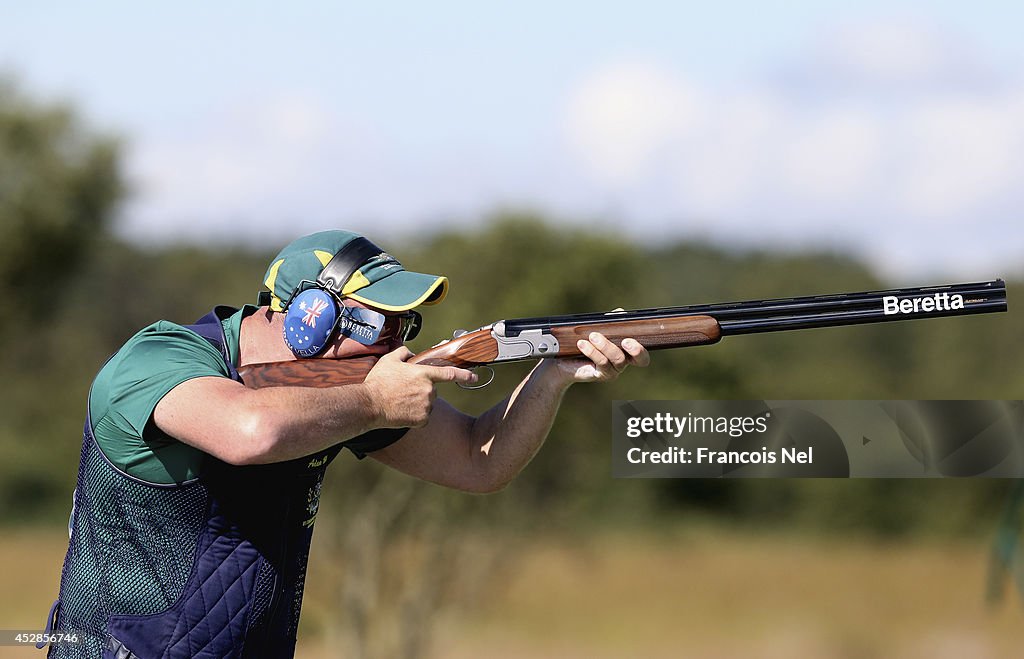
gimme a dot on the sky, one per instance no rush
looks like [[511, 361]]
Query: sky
[[891, 130]]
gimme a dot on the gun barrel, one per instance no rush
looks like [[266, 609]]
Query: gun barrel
[[847, 317], [755, 316]]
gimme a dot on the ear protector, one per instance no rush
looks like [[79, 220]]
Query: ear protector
[[315, 310]]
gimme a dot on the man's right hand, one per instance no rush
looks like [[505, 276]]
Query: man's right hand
[[403, 394]]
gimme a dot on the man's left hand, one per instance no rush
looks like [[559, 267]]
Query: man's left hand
[[602, 360]]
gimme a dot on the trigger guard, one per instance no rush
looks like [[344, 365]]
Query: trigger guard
[[478, 386]]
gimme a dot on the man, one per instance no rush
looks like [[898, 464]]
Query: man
[[196, 495]]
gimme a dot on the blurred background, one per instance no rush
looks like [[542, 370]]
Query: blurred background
[[548, 159]]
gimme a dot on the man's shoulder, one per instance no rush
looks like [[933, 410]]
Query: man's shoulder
[[127, 389], [164, 329], [160, 338], [159, 351]]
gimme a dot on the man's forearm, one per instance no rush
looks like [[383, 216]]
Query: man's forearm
[[483, 454], [506, 437]]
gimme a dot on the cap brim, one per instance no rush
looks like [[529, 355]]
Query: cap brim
[[402, 291]]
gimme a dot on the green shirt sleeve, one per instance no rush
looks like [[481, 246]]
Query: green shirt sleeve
[[127, 390]]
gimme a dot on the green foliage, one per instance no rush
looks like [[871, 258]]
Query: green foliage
[[59, 185], [518, 266], [120, 290]]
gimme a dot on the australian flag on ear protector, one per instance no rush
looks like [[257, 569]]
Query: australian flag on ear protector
[[309, 322]]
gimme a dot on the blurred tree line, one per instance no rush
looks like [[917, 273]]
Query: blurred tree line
[[75, 292]]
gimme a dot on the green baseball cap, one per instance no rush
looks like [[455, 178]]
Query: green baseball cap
[[381, 282]]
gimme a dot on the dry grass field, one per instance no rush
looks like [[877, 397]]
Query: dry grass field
[[728, 595], [710, 593]]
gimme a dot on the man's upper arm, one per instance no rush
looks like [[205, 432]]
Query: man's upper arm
[[206, 413], [129, 388]]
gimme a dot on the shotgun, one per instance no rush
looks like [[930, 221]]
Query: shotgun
[[655, 328]]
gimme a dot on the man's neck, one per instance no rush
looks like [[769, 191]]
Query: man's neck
[[259, 339]]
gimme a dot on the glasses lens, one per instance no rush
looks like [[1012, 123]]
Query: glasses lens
[[368, 326], [415, 322], [406, 326]]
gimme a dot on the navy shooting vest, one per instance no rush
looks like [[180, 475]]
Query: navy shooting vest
[[213, 567]]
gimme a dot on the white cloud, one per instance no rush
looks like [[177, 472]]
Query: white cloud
[[635, 111], [830, 158], [965, 153], [873, 136], [889, 52], [885, 135], [256, 160], [722, 165]]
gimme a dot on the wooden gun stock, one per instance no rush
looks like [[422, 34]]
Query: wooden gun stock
[[466, 351], [307, 373]]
